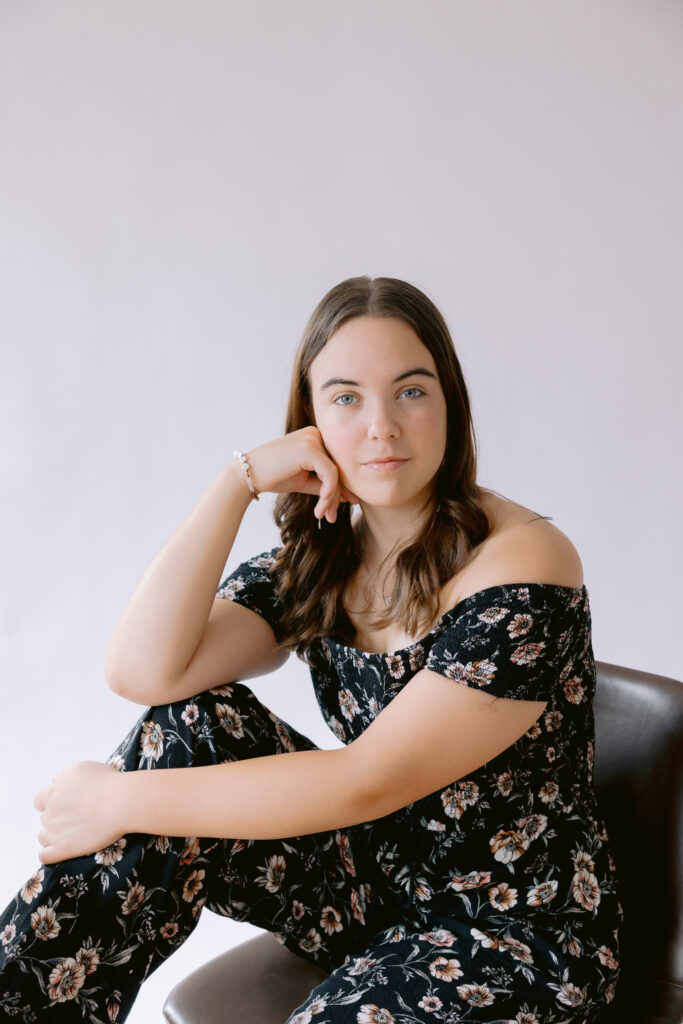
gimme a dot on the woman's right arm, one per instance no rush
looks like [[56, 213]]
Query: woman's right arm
[[174, 638]]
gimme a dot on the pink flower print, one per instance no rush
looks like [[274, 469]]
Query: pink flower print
[[430, 1003], [607, 957], [526, 654], [66, 980], [570, 995], [439, 937], [357, 906], [472, 880], [345, 853], [190, 714], [533, 825], [574, 690], [348, 704], [297, 911]]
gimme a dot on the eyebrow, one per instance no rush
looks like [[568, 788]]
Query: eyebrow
[[417, 371]]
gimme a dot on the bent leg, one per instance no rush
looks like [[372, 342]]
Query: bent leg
[[81, 935], [406, 976]]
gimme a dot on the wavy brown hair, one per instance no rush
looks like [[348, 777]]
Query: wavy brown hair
[[314, 566]]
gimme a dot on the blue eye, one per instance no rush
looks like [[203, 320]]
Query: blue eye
[[342, 396], [419, 391]]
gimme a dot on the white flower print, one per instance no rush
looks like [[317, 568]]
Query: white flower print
[[395, 665], [230, 719], [585, 889], [361, 965], [370, 1013], [570, 995], [520, 625], [152, 741], [330, 920], [111, 854], [475, 995], [311, 941], [231, 589], [337, 728], [274, 873], [502, 896], [439, 937], [33, 887], [540, 895], [445, 969], [493, 615], [508, 845]]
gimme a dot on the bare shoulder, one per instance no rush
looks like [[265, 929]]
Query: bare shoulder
[[521, 548]]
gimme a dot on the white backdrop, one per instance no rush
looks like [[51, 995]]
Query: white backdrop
[[179, 186]]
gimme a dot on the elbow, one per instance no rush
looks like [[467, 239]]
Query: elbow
[[121, 685]]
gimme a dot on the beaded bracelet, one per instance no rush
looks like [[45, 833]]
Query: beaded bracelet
[[237, 454]]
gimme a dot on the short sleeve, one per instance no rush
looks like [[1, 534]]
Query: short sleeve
[[504, 643], [250, 585]]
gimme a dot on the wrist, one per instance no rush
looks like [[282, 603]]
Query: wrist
[[236, 481]]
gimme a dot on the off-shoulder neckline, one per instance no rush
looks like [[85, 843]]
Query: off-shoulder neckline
[[470, 599]]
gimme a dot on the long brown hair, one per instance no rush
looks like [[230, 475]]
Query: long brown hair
[[313, 567]]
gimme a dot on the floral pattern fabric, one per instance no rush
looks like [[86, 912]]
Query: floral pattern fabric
[[490, 900]]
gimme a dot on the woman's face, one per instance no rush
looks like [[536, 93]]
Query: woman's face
[[376, 394]]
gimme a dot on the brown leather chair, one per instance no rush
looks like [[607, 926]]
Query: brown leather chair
[[638, 775]]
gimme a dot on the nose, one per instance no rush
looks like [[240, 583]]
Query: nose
[[382, 422]]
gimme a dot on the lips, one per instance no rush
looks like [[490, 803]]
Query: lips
[[385, 463]]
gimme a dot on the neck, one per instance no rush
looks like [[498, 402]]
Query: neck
[[383, 531]]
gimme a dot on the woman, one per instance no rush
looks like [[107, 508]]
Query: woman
[[448, 862]]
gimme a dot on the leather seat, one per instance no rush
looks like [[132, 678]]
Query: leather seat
[[638, 775]]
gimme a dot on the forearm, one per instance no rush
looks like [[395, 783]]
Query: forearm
[[166, 615], [270, 797]]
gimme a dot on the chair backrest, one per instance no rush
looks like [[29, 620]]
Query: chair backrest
[[638, 776]]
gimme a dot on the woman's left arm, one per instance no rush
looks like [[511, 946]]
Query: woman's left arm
[[432, 733]]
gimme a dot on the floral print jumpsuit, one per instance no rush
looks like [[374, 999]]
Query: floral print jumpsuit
[[490, 900]]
